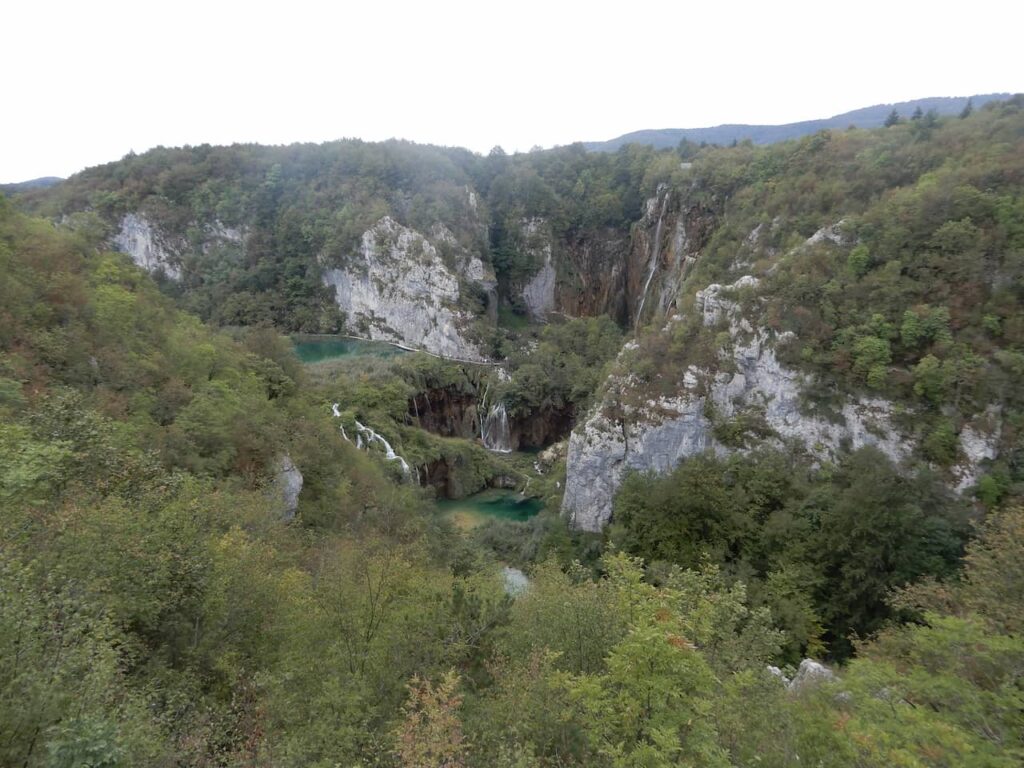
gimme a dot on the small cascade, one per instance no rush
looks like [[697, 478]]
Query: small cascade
[[337, 414], [371, 437], [494, 430], [653, 264], [389, 452]]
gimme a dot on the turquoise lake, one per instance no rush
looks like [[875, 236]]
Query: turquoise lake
[[490, 504], [317, 349]]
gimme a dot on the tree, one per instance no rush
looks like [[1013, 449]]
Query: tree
[[878, 530], [892, 119], [430, 735], [967, 110]]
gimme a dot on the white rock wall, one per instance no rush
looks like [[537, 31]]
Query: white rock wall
[[147, 247], [539, 293], [401, 290], [660, 434]]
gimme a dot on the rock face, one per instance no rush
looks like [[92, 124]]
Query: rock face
[[978, 444], [515, 581], [660, 433], [810, 673], [600, 271], [539, 293], [401, 290], [287, 485], [156, 251], [664, 245], [595, 274], [450, 411], [542, 428], [147, 246]]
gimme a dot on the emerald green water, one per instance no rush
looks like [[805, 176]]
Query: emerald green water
[[316, 349], [488, 505]]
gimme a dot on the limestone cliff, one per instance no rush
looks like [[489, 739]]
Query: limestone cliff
[[664, 245], [605, 271], [156, 250], [286, 486], [748, 385], [148, 247], [399, 288], [580, 275]]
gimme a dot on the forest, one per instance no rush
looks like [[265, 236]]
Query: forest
[[163, 603]]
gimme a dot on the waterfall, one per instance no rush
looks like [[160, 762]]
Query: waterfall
[[494, 430], [371, 437], [337, 414], [653, 265], [389, 452]]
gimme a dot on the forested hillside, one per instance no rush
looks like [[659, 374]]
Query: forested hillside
[[866, 117], [768, 398]]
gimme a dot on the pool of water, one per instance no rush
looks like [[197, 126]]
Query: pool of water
[[316, 349], [489, 505]]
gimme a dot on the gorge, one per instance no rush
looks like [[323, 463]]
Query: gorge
[[379, 454]]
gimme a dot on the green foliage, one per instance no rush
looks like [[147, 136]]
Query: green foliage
[[859, 260], [940, 445], [155, 610], [871, 359], [820, 553], [564, 369]]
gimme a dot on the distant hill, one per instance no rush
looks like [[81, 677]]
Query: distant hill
[[868, 117], [23, 186]]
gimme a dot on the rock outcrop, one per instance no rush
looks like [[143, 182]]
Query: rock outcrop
[[153, 249], [399, 289], [661, 432], [664, 245], [450, 411], [809, 674], [539, 292], [286, 486], [979, 442], [148, 247], [751, 382]]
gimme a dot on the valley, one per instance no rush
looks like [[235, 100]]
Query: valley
[[322, 454]]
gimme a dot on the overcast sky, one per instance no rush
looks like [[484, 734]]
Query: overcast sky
[[87, 81]]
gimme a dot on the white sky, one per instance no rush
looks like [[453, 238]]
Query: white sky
[[87, 81]]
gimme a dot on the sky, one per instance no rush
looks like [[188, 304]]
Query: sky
[[87, 82]]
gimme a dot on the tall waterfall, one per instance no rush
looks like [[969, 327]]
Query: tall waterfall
[[494, 430], [653, 265], [374, 437]]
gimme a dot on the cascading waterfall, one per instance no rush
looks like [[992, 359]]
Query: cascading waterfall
[[653, 265], [522, 493], [494, 430], [373, 436], [389, 452]]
